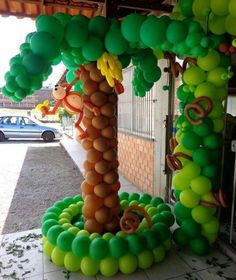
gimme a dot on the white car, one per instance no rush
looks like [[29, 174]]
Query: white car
[[26, 127]]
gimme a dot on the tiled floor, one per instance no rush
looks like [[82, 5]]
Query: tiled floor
[[21, 258]]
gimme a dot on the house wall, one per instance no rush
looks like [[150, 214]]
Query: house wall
[[136, 157]]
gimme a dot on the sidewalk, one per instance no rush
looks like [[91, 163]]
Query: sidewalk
[[21, 255]]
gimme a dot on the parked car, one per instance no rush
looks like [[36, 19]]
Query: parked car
[[26, 127]]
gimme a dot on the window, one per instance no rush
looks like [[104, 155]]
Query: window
[[136, 114]]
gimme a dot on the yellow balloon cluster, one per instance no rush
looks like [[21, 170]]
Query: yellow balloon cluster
[[111, 68], [41, 105]]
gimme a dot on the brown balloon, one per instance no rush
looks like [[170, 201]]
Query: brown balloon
[[104, 86], [89, 87], [98, 98], [101, 144], [102, 190], [100, 122], [94, 155], [102, 167], [93, 178]]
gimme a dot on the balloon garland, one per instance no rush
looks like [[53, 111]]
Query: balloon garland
[[83, 232]]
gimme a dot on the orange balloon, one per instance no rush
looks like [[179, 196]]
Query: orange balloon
[[109, 132], [102, 190], [94, 155], [113, 226], [111, 177], [101, 144], [112, 200], [88, 165], [88, 213], [90, 87], [98, 98], [87, 144], [108, 110], [100, 122], [93, 226], [93, 201], [102, 167], [110, 155], [96, 75], [87, 122], [93, 178], [92, 132], [86, 188], [103, 215], [88, 113], [115, 187], [84, 76]]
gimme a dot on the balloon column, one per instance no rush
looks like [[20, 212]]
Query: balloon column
[[101, 230]]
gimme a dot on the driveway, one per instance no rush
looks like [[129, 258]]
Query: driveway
[[33, 175]]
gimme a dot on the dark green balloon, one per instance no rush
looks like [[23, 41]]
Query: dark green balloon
[[149, 34], [81, 18], [64, 241], [47, 225], [15, 99], [148, 62], [115, 43], [181, 211], [191, 228], [20, 93], [51, 25], [17, 69], [11, 86], [154, 237], [190, 140], [15, 60], [137, 243], [199, 246], [92, 49], [98, 26], [80, 245], [152, 76], [213, 141], [180, 238], [44, 44], [6, 92], [23, 81], [186, 7], [76, 33], [53, 234], [211, 171], [205, 128], [63, 18], [193, 39], [145, 198], [130, 27], [29, 36], [36, 82], [118, 246], [125, 60], [202, 156], [177, 32]]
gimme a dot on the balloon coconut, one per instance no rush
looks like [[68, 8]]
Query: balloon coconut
[[103, 230]]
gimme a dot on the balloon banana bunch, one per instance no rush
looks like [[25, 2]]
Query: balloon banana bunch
[[111, 68]]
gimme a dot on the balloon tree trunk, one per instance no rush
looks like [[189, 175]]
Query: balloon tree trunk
[[101, 184]]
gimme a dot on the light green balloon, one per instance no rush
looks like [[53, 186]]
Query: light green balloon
[[201, 185], [211, 237], [201, 8], [212, 226], [201, 214], [219, 7], [217, 25], [189, 198], [194, 76], [232, 8], [210, 61], [218, 125], [48, 248], [221, 94], [205, 89], [109, 266], [230, 25], [89, 267], [217, 110], [180, 182], [58, 256], [159, 253], [72, 262], [145, 259], [128, 263], [191, 170], [215, 76]]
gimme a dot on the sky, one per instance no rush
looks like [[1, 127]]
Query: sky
[[12, 34]]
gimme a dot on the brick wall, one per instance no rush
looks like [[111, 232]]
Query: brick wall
[[136, 161]]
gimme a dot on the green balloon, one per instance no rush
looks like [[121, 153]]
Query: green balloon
[[201, 214], [180, 238], [44, 44], [69, 62], [64, 241], [115, 43], [163, 231], [156, 201], [15, 60], [63, 18], [201, 185], [137, 243], [205, 128], [182, 48], [92, 49], [219, 7], [125, 60], [51, 25], [154, 237], [47, 225], [130, 27], [148, 62], [177, 32], [190, 140], [98, 248], [80, 245], [17, 69], [213, 141], [186, 7], [20, 93], [202, 156], [199, 246], [76, 33], [148, 32], [81, 18], [53, 233], [168, 218], [217, 110], [15, 99], [35, 64], [191, 228], [145, 198], [118, 246], [181, 211], [36, 82], [152, 76], [12, 86], [134, 196], [5, 92], [210, 171], [98, 26], [23, 81]]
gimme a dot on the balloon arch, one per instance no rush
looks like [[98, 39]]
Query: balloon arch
[[102, 230]]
